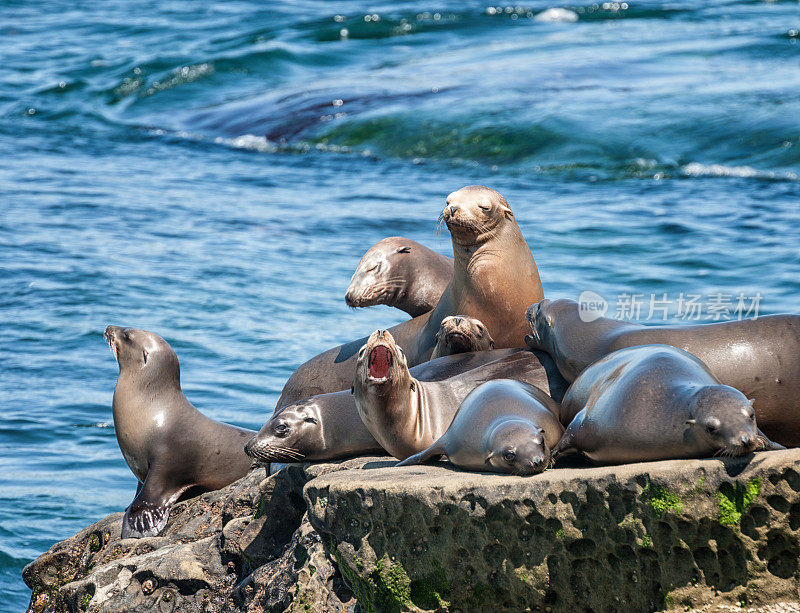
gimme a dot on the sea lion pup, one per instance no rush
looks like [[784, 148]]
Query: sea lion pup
[[400, 273], [502, 426], [328, 426], [406, 415], [169, 445], [459, 334], [656, 402], [494, 279], [759, 357]]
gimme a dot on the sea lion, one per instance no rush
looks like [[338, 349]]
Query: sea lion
[[759, 357], [502, 426], [401, 273], [406, 415], [494, 279], [656, 402], [170, 446], [328, 426], [460, 334]]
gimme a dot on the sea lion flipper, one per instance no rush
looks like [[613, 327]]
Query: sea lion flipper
[[566, 445], [434, 451], [768, 444], [148, 513]]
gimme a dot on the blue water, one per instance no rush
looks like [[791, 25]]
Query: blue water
[[213, 172]]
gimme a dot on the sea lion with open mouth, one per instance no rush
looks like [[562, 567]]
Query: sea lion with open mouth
[[406, 415], [502, 426], [400, 273], [656, 402], [495, 279], [759, 357], [170, 446], [327, 426]]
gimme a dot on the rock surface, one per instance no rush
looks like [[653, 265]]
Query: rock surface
[[706, 535]]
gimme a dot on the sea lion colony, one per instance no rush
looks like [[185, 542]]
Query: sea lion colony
[[457, 380]]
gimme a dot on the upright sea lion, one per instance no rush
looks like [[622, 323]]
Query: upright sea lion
[[759, 357], [494, 279], [328, 426], [406, 415], [401, 273], [169, 445], [460, 334], [502, 426], [656, 402]]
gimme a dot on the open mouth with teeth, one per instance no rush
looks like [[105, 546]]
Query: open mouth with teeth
[[380, 364]]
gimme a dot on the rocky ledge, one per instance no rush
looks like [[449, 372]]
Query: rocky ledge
[[716, 534]]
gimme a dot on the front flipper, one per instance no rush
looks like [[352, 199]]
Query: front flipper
[[768, 444], [434, 451], [565, 446], [148, 513]]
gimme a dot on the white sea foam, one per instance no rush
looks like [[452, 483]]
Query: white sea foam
[[557, 14], [250, 142], [695, 169]]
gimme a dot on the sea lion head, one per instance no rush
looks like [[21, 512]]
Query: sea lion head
[[373, 281], [460, 334], [724, 417], [473, 213], [541, 317], [142, 355], [517, 446], [381, 364], [291, 435]]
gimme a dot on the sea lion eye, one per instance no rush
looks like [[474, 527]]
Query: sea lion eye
[[281, 429], [403, 249], [144, 356], [485, 207], [712, 429], [509, 455]]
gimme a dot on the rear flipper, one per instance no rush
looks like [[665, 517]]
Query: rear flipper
[[148, 513], [432, 452], [768, 444]]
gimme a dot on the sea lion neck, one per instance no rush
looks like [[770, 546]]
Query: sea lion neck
[[488, 246]]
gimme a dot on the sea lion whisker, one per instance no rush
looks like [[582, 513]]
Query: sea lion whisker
[[287, 451]]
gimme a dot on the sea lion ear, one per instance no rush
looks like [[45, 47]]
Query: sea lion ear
[[413, 386], [491, 344], [541, 430], [509, 215], [404, 249], [750, 401], [691, 421], [352, 390], [489, 456]]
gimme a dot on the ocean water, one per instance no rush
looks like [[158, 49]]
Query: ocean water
[[214, 171]]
